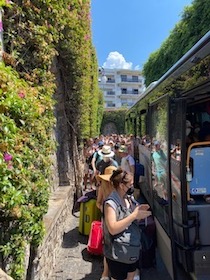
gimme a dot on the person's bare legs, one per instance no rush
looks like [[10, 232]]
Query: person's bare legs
[[106, 269], [85, 181], [90, 178], [131, 275], [137, 274]]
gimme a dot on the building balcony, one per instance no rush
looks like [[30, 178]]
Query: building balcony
[[131, 81], [111, 81], [110, 93], [130, 92], [110, 106], [127, 104]]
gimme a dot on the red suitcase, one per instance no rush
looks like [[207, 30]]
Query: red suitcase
[[95, 240]]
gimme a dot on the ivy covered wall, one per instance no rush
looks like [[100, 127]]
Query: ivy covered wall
[[41, 38], [117, 117]]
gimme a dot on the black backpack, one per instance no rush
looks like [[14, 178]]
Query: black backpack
[[89, 159]]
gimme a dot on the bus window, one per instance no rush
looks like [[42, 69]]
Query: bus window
[[159, 158]]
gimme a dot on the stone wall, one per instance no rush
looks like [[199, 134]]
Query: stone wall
[[66, 180], [60, 206], [4, 276]]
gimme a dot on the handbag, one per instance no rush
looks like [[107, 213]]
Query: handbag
[[126, 245], [95, 240]]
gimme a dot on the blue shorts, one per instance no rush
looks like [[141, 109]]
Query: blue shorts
[[120, 270]]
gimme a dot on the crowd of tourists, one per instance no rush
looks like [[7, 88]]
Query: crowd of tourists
[[103, 151], [109, 168]]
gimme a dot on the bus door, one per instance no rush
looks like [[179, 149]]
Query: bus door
[[177, 150], [180, 214]]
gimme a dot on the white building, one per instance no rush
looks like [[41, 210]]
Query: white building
[[121, 87]]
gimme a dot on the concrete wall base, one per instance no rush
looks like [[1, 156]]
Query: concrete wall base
[[60, 206]]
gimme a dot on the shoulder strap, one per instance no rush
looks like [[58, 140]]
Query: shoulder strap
[[97, 155]]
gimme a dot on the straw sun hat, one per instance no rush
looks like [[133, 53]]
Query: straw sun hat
[[106, 151], [123, 149], [107, 173]]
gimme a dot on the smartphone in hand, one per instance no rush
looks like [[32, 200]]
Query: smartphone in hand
[[144, 206]]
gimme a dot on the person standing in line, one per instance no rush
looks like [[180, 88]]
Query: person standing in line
[[104, 190], [96, 159], [105, 186], [121, 215], [117, 156], [89, 150], [107, 160], [127, 161]]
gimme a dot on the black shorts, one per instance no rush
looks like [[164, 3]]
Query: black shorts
[[120, 270]]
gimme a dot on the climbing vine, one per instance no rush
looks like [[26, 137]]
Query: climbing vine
[[117, 117], [192, 26], [35, 32]]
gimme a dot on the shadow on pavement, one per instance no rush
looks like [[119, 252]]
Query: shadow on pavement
[[97, 265], [75, 242], [72, 238]]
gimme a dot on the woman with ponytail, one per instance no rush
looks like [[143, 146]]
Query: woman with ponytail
[[121, 227]]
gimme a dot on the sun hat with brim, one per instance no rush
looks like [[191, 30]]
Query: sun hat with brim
[[123, 149], [106, 151], [107, 173]]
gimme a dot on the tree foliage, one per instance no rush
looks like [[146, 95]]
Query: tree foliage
[[117, 117], [193, 25]]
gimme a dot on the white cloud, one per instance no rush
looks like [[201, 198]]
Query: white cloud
[[116, 60], [137, 67]]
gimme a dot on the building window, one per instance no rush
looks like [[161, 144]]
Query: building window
[[110, 80], [126, 103], [135, 91], [124, 78], [135, 79], [123, 90], [110, 104]]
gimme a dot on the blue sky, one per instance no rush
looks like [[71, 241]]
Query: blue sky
[[126, 32]]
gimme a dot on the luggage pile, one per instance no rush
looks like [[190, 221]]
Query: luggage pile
[[90, 224]]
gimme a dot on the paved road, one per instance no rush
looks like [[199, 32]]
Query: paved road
[[74, 262]]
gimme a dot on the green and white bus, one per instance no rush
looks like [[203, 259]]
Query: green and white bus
[[171, 121]]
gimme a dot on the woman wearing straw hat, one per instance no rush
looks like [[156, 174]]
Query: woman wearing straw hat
[[105, 188]]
